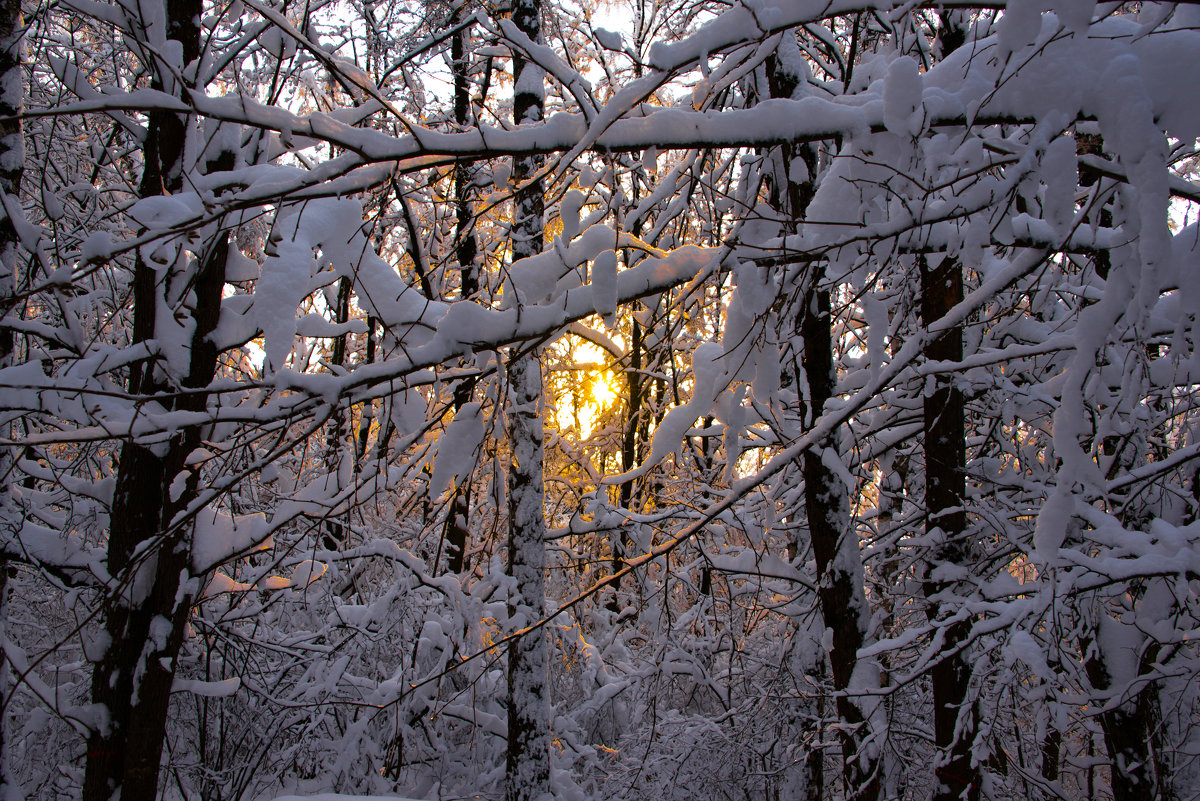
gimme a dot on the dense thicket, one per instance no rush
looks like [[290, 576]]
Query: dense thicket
[[698, 400]]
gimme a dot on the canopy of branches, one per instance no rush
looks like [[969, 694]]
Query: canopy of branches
[[623, 400]]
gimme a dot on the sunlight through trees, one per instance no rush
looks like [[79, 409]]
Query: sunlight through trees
[[779, 401]]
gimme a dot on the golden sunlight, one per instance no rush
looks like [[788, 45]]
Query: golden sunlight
[[581, 400]]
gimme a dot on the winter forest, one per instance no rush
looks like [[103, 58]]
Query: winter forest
[[729, 400]]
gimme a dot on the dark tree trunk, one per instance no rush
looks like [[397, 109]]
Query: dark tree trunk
[[133, 679], [946, 522], [148, 548], [527, 764], [12, 163], [835, 546], [1131, 732], [945, 487], [631, 439], [466, 251], [840, 588], [814, 760], [334, 537]]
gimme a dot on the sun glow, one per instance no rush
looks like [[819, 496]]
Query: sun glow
[[586, 390]]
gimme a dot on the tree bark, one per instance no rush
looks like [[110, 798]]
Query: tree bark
[[945, 523], [1130, 731], [527, 763], [945, 486], [840, 590], [335, 535], [466, 248], [835, 547], [632, 435], [148, 548], [12, 163]]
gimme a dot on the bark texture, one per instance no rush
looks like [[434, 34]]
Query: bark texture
[[527, 763], [954, 718], [12, 161], [840, 591], [945, 523], [149, 541], [466, 250], [1131, 731], [835, 549]]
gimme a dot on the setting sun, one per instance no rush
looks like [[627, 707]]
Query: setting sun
[[581, 401]]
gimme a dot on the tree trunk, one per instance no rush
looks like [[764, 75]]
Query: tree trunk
[[527, 764], [12, 163], [148, 548], [1132, 734], [335, 535], [1127, 738], [466, 248], [841, 594], [945, 523], [945, 486], [631, 439], [835, 547]]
